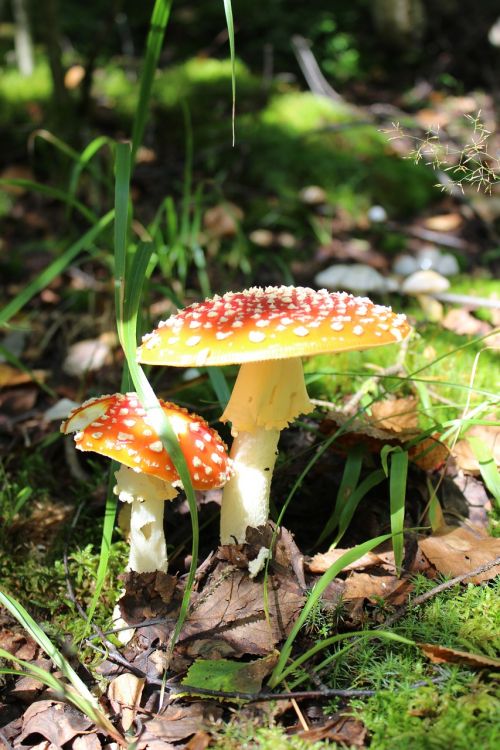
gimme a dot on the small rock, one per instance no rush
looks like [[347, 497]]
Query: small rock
[[86, 356], [60, 410]]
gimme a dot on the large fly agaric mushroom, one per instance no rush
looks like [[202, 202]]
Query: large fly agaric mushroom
[[267, 331], [118, 427]]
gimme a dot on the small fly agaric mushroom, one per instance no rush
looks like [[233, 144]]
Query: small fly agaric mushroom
[[267, 331], [118, 427]]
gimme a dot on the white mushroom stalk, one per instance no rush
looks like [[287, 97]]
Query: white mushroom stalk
[[266, 397], [266, 331], [147, 496], [118, 427]]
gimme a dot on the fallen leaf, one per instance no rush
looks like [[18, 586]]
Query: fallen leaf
[[344, 729], [57, 722], [222, 220], [462, 550], [88, 741], [371, 587], [443, 222], [397, 415], [86, 356], [323, 560], [462, 322], [442, 654], [74, 76], [124, 693], [230, 676], [179, 722], [11, 376], [462, 451], [200, 741], [228, 617]]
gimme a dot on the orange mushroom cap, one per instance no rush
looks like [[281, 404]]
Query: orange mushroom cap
[[117, 426], [272, 323]]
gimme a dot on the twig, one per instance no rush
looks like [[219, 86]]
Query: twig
[[311, 70], [437, 590]]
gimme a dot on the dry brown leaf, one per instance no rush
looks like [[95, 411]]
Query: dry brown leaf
[[462, 550], [74, 76], [323, 560], [86, 356], [57, 722], [229, 618], [200, 741], [87, 742], [125, 693], [222, 220], [344, 729], [178, 722], [462, 451], [11, 376], [442, 654], [443, 222], [366, 586], [397, 415], [462, 322], [16, 172]]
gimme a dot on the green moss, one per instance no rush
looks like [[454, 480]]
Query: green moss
[[299, 139], [17, 92]]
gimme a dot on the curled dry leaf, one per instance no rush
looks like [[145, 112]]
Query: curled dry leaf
[[442, 654], [177, 723], [56, 722], [462, 550], [342, 729], [462, 322], [462, 452], [125, 693], [396, 415], [323, 560]]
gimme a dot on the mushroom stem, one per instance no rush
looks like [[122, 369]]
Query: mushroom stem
[[266, 397], [146, 495], [245, 500], [148, 548]]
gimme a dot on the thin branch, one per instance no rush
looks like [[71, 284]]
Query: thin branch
[[437, 590]]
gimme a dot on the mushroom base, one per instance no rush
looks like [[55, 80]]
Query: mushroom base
[[245, 499], [146, 496]]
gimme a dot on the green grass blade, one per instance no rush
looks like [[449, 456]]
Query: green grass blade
[[350, 478], [159, 20], [80, 697], [128, 294], [487, 466], [54, 269], [371, 481], [332, 640], [228, 9], [397, 498], [51, 192], [84, 160], [346, 559]]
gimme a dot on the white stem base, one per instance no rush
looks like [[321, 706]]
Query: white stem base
[[245, 498], [148, 548], [146, 496]]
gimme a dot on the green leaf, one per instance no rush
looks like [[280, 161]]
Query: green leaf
[[228, 676], [230, 31], [350, 478]]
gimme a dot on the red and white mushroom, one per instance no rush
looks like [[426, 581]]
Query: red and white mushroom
[[118, 427], [267, 331]]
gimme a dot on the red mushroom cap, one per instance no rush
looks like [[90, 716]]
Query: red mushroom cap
[[118, 427], [273, 323]]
